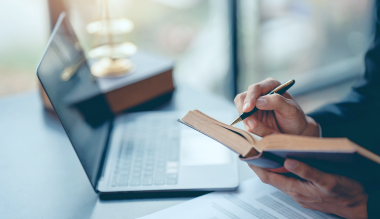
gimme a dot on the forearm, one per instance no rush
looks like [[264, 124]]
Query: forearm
[[362, 129]]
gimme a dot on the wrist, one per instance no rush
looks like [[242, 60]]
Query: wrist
[[359, 210], [312, 128]]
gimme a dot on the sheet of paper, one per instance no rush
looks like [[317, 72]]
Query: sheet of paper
[[253, 199]]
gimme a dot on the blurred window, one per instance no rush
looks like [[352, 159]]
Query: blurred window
[[309, 40], [24, 33], [193, 32]]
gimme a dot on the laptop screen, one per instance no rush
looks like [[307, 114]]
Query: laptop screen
[[67, 80]]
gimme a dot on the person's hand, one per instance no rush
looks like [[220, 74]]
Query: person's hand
[[276, 114], [319, 191]]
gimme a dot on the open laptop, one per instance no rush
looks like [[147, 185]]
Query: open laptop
[[135, 152]]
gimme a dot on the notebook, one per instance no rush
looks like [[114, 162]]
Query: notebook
[[333, 155]]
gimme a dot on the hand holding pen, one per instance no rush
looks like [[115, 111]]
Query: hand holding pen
[[276, 113]]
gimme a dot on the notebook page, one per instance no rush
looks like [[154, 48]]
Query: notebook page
[[253, 199]]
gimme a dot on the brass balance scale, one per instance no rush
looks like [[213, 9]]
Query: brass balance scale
[[110, 57]]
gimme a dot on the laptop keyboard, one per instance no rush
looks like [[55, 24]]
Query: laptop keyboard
[[149, 154]]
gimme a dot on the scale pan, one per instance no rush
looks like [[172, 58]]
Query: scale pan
[[122, 50], [113, 26]]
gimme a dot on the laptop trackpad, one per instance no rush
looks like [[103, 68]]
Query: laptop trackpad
[[197, 149]]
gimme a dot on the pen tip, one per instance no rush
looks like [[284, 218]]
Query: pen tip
[[237, 120]]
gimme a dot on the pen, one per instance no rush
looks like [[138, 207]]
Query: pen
[[278, 90]]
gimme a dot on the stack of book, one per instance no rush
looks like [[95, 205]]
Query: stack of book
[[149, 85]]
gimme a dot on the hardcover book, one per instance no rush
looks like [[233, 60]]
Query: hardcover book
[[150, 84], [333, 155]]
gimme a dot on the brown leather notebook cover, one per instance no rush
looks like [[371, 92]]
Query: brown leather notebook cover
[[334, 155]]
